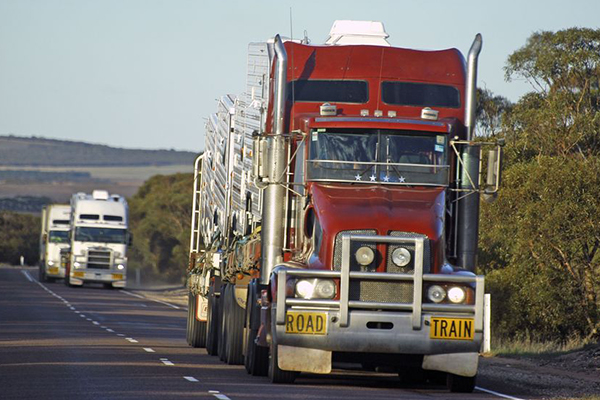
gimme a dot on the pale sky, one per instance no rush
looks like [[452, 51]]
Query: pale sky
[[146, 73]]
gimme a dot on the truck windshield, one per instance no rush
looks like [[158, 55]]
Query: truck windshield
[[58, 237], [104, 235], [378, 156]]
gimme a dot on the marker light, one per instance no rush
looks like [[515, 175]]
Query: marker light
[[365, 255], [436, 293], [401, 257]]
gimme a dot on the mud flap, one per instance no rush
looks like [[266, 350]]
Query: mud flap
[[304, 360], [201, 308], [462, 364]]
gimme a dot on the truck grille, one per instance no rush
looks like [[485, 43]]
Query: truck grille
[[98, 259], [381, 291]]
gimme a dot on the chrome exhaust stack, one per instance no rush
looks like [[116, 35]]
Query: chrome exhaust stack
[[471, 86], [468, 205], [274, 194]]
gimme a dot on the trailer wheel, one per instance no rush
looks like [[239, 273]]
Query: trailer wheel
[[276, 374], [224, 312], [196, 329], [235, 330], [460, 384], [213, 324], [256, 360]]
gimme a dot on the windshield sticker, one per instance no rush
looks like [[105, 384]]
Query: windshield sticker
[[315, 136], [440, 139], [439, 148]]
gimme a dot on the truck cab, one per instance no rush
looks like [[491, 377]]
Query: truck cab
[[54, 239], [99, 238]]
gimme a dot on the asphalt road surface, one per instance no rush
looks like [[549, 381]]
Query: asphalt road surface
[[92, 343]]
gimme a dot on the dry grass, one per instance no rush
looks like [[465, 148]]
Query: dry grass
[[529, 347]]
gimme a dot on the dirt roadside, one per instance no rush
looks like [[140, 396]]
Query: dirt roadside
[[573, 375]]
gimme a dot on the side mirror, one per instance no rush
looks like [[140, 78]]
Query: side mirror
[[494, 174]]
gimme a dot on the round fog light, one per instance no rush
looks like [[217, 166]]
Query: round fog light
[[325, 289], [456, 295], [436, 293], [365, 255], [120, 266], [401, 257]]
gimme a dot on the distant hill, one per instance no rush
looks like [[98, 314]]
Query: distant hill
[[33, 151]]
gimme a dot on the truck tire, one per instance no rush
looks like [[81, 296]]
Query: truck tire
[[256, 360], [213, 325], [189, 320], [42, 274], [234, 340], [276, 374], [460, 384], [196, 333], [223, 303]]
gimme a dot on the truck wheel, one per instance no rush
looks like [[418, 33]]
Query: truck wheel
[[41, 274], [460, 384], [256, 360], [197, 329], [213, 324], [189, 320], [223, 313], [235, 330]]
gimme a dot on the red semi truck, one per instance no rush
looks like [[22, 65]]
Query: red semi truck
[[336, 210]]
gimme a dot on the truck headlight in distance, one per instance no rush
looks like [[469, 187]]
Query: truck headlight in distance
[[50, 263], [457, 295], [436, 293], [364, 255], [401, 257], [77, 264], [120, 267], [316, 289]]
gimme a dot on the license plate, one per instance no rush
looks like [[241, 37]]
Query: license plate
[[53, 270], [117, 276], [452, 328], [78, 274], [306, 323]]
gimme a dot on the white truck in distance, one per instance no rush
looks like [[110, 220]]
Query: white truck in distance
[[99, 239], [54, 237]]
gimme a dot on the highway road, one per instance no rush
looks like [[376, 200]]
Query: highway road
[[58, 342]]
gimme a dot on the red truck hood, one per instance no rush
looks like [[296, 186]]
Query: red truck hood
[[384, 208]]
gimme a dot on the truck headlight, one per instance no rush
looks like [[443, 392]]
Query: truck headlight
[[76, 264], [436, 294], [316, 289], [50, 263], [365, 255], [120, 266], [401, 257], [456, 295]]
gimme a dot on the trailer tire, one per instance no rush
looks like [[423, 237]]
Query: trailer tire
[[196, 329], [234, 340], [223, 312], [460, 384], [276, 374], [256, 360], [213, 324]]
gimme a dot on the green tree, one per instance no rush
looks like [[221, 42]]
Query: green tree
[[19, 236], [540, 240], [160, 215]]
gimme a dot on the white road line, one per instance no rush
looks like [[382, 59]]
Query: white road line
[[131, 340], [139, 296], [102, 326], [82, 315], [497, 394], [149, 350], [145, 298], [109, 330], [95, 322], [190, 378], [27, 276], [218, 395], [120, 334], [72, 308], [77, 312], [88, 319], [166, 362]]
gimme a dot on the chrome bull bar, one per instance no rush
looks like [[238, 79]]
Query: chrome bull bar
[[344, 304]]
